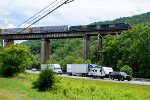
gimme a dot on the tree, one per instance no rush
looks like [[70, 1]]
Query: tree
[[14, 59]]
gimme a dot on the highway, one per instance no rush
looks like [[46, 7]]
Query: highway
[[109, 80], [105, 79]]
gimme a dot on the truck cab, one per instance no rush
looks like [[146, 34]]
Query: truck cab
[[54, 67], [57, 69], [97, 72], [90, 66]]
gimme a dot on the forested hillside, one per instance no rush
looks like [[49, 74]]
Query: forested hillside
[[131, 48], [134, 20]]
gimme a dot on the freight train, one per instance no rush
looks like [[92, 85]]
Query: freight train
[[65, 28]]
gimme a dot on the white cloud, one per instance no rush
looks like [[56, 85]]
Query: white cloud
[[75, 13]]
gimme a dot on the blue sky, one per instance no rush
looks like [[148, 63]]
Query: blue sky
[[79, 12]]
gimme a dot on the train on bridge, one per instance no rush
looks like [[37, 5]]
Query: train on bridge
[[65, 28]]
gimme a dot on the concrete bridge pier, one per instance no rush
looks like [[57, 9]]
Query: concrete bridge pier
[[86, 47], [8, 42], [45, 51]]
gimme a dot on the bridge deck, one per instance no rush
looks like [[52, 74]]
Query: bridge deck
[[57, 35]]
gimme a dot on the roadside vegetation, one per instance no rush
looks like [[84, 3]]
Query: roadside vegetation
[[20, 88]]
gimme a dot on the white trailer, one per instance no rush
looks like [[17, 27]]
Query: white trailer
[[80, 69], [54, 67], [107, 70]]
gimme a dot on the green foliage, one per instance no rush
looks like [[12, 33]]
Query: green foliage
[[34, 46], [46, 81], [14, 59], [86, 62], [52, 61], [36, 63], [127, 69], [132, 48], [110, 52], [119, 64]]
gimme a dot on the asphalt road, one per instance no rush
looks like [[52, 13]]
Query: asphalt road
[[109, 80], [105, 79]]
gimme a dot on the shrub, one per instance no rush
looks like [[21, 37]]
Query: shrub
[[46, 81], [127, 69]]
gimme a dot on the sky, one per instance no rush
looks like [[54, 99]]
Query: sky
[[79, 12]]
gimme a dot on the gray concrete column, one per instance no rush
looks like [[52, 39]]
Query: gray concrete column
[[45, 52], [86, 47], [8, 42]]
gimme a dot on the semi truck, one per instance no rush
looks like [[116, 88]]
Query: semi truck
[[54, 67], [88, 70], [80, 69]]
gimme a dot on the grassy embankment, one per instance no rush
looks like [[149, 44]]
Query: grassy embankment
[[19, 88]]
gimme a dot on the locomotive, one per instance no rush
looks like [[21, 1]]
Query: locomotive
[[65, 28], [103, 27]]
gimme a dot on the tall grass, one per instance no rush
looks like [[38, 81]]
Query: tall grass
[[20, 88]]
